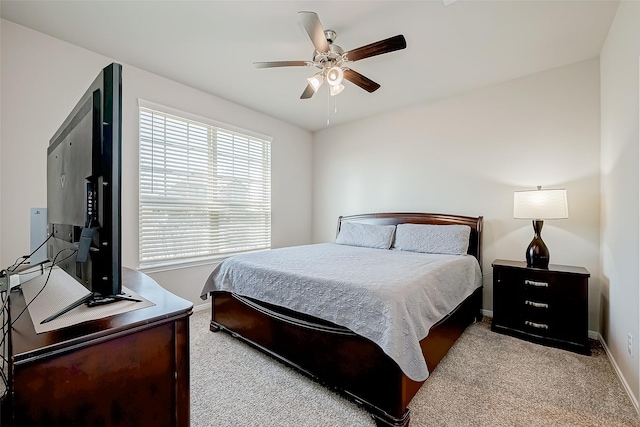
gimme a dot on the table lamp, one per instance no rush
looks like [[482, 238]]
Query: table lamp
[[539, 205]]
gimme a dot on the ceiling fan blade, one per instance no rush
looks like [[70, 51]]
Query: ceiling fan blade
[[308, 92], [313, 27], [273, 64], [378, 48], [358, 79]]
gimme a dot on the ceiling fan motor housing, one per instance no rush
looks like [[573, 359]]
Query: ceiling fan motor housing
[[330, 35], [334, 57]]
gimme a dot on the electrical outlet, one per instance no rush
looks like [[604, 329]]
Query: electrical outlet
[[630, 344]]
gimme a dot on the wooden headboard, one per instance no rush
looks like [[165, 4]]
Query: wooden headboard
[[475, 238]]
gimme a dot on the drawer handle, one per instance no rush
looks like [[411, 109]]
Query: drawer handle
[[536, 284], [536, 325], [537, 304]]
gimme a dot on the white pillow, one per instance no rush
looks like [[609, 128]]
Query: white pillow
[[433, 239], [365, 235]]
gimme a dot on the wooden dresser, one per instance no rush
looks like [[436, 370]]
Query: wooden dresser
[[131, 369], [547, 306]]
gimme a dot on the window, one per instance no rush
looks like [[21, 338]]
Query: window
[[205, 191]]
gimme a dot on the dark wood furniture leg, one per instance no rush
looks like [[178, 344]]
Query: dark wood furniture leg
[[336, 357]]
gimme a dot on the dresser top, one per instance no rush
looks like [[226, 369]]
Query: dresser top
[[554, 268], [27, 344]]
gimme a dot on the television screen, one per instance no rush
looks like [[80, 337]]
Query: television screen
[[83, 187]]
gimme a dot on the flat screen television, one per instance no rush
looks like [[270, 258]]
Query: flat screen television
[[83, 188]]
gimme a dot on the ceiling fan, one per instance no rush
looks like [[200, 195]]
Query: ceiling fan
[[332, 60]]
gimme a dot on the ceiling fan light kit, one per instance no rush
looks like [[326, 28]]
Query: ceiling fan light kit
[[334, 90], [335, 76], [331, 59], [316, 81]]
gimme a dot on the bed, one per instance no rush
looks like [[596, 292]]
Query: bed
[[357, 351]]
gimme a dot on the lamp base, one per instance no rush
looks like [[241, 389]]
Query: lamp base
[[537, 253]]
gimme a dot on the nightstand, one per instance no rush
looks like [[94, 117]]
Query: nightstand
[[546, 306]]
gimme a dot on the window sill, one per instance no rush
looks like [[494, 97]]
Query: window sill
[[178, 265]]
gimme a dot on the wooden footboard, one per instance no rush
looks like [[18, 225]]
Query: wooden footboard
[[337, 357]]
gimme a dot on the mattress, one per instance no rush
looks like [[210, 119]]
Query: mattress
[[391, 297]]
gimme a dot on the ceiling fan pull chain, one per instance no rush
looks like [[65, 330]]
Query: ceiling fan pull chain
[[328, 107]]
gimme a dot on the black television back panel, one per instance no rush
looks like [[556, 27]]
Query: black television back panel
[[83, 187]]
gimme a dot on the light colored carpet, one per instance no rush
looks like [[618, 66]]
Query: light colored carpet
[[487, 379]]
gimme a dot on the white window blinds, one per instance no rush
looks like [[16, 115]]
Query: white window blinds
[[204, 191]]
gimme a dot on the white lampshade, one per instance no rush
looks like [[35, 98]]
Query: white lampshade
[[316, 81], [540, 204], [334, 90], [335, 76]]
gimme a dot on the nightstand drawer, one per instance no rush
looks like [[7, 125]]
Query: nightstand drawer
[[536, 306], [549, 306], [539, 320], [539, 313]]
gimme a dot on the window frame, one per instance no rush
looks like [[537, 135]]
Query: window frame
[[160, 265]]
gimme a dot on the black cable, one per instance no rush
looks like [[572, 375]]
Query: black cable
[[46, 281], [4, 361], [5, 380], [5, 303], [25, 258], [6, 328], [5, 315]]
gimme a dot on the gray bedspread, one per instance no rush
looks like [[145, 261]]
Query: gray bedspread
[[391, 297]]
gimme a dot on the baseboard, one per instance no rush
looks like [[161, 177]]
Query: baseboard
[[616, 368], [592, 334], [596, 336]]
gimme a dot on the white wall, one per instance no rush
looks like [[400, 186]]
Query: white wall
[[620, 95], [43, 78], [467, 154]]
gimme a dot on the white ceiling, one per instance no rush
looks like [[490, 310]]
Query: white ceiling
[[211, 45]]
